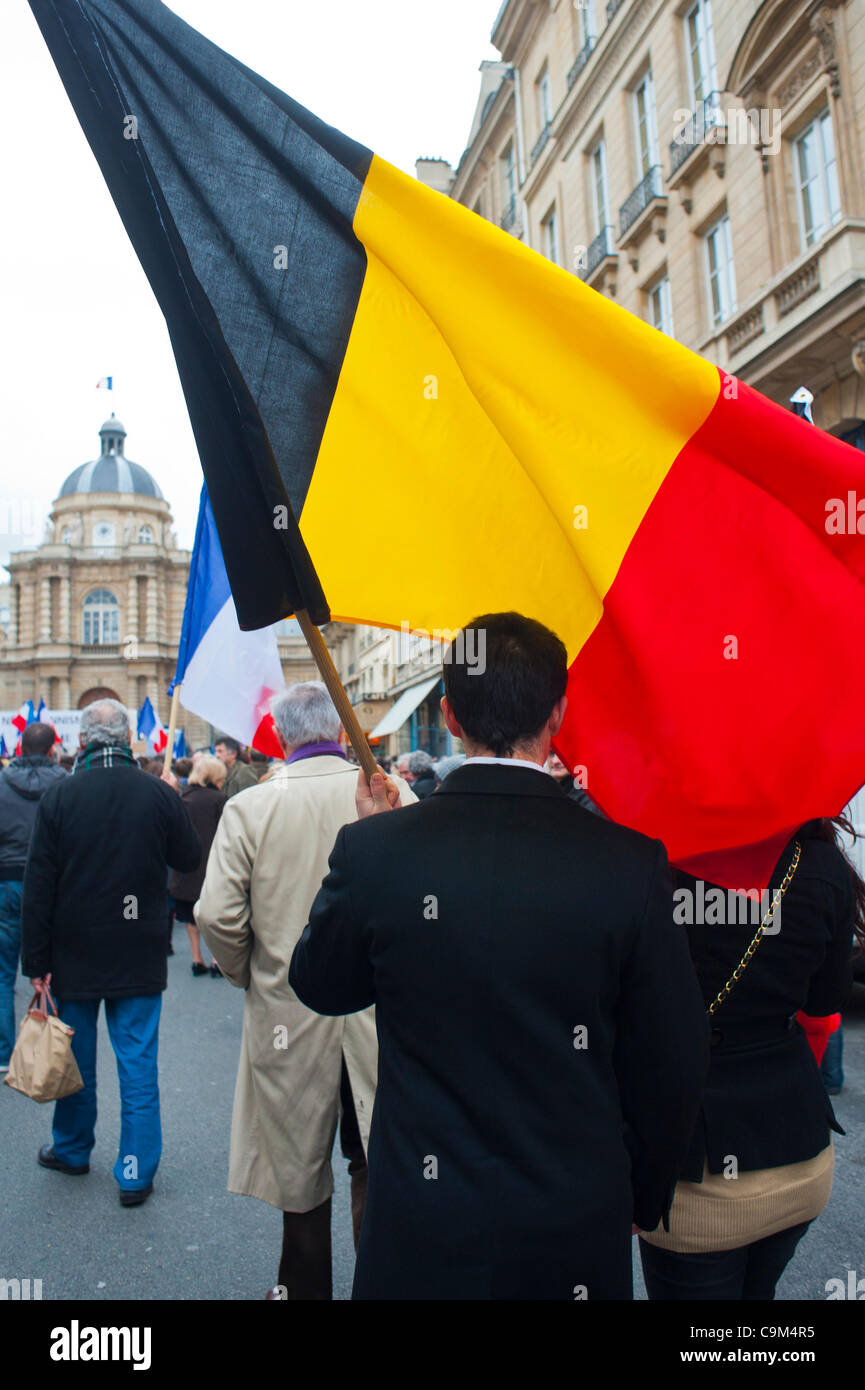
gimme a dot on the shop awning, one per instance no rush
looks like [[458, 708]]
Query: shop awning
[[405, 705]]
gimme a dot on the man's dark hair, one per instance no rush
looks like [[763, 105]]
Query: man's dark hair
[[504, 681], [231, 743], [37, 740]]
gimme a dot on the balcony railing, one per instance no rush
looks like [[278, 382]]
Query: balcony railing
[[707, 117], [509, 216], [601, 246], [649, 187], [583, 57], [538, 146]]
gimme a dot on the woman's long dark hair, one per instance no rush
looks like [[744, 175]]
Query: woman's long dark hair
[[832, 829]]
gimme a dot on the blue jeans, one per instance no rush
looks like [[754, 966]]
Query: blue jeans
[[10, 954], [133, 1027], [831, 1068], [749, 1273]]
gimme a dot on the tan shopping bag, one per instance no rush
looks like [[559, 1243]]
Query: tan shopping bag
[[42, 1065]]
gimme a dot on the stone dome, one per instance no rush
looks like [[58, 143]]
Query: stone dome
[[112, 471]]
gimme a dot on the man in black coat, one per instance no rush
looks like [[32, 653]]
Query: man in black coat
[[94, 922], [22, 785], [543, 1041]]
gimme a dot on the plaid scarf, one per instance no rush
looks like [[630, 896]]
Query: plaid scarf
[[104, 755]]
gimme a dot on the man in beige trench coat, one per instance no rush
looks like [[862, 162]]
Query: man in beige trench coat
[[297, 1071]]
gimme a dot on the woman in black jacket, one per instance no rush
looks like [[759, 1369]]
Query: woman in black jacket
[[759, 1169], [204, 800]]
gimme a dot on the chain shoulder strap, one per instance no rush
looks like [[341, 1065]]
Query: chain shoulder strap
[[761, 930]]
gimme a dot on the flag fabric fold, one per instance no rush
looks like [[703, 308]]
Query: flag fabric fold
[[334, 321]]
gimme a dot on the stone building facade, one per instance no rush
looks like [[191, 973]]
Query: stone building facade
[[97, 608], [698, 161]]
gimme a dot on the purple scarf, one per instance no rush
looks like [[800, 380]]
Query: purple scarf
[[315, 750]]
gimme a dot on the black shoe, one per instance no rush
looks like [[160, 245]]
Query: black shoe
[[48, 1159], [215, 970], [199, 968], [134, 1199]]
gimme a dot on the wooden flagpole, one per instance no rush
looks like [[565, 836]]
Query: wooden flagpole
[[337, 692], [172, 726]]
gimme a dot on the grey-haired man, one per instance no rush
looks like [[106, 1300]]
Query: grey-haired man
[[94, 925], [298, 1072]]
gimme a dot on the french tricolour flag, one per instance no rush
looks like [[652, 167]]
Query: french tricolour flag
[[105, 383], [24, 716], [151, 728], [228, 676]]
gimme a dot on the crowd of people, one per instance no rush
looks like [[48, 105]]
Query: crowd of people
[[465, 969]]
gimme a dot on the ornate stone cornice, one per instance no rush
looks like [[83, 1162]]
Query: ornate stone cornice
[[800, 78], [823, 26]]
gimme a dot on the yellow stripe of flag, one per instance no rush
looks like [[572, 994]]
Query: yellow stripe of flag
[[485, 398]]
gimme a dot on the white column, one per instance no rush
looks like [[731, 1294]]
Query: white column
[[65, 608], [46, 609], [152, 609], [132, 607]]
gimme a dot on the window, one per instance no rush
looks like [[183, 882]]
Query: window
[[660, 306], [103, 533], [509, 175], [550, 230], [145, 535], [545, 106], [600, 191], [588, 28], [66, 535], [646, 127], [101, 619], [817, 180], [719, 262], [700, 45]]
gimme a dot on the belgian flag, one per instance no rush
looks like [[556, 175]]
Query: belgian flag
[[353, 345]]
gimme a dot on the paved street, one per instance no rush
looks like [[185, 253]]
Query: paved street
[[193, 1240]]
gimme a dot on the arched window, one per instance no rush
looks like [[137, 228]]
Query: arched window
[[145, 535], [101, 619], [66, 537]]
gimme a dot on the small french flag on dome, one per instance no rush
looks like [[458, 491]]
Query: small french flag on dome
[[105, 383]]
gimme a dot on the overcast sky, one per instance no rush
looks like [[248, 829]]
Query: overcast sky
[[400, 76]]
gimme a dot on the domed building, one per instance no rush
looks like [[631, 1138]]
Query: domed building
[[96, 609]]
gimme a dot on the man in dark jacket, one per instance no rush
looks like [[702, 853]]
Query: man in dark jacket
[[95, 919], [542, 1038], [22, 784], [423, 782], [239, 776]]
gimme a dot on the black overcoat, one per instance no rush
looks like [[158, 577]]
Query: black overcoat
[[765, 1102], [95, 903], [542, 1038], [205, 805]]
